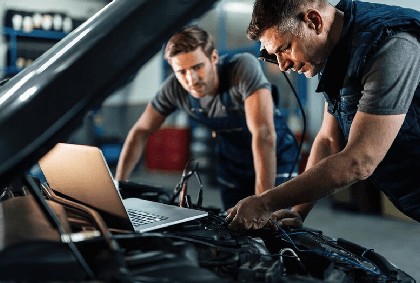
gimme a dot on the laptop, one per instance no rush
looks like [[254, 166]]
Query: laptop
[[81, 173]]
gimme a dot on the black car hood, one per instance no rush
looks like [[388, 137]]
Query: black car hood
[[46, 101]]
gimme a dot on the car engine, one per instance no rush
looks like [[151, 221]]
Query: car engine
[[202, 250]]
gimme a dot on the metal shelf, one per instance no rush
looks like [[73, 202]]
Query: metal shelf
[[13, 39]]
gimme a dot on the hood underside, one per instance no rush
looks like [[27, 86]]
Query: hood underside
[[46, 102]]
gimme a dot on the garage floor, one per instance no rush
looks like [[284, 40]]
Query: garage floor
[[397, 240]]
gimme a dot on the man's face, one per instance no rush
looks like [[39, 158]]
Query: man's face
[[196, 72], [303, 53]]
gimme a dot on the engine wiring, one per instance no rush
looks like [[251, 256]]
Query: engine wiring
[[233, 253], [325, 253]]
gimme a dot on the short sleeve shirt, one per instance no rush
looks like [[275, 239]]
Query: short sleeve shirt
[[391, 76], [245, 76]]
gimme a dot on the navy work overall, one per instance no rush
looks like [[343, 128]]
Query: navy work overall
[[366, 25], [236, 175]]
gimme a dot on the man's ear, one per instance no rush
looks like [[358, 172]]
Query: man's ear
[[215, 56], [313, 19]]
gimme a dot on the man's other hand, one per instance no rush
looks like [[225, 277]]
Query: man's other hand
[[286, 217], [249, 213]]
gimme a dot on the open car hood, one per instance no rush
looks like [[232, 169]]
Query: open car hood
[[46, 102]]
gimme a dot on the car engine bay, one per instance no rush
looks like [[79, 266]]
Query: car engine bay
[[203, 250]]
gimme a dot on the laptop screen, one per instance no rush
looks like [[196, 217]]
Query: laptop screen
[[81, 173]]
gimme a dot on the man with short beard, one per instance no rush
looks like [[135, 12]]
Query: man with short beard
[[368, 60]]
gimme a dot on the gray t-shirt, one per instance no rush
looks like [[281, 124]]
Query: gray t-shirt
[[245, 76], [391, 76]]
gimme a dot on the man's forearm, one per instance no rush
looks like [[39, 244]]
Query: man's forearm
[[265, 160], [321, 180], [124, 168], [130, 156], [321, 149], [304, 209]]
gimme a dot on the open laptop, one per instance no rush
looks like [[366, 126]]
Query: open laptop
[[80, 172]]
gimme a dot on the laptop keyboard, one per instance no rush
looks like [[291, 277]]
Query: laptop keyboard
[[138, 217]]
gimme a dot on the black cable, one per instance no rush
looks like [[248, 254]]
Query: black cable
[[304, 126], [200, 192], [55, 222], [271, 58], [186, 174]]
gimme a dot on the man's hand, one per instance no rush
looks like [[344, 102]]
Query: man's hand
[[286, 217], [229, 210], [249, 213]]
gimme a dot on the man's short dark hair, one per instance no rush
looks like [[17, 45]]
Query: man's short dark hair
[[283, 14], [188, 39]]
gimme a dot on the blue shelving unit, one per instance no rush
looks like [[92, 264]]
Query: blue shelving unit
[[13, 36]]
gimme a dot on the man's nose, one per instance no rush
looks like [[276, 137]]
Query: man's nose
[[192, 77], [284, 63]]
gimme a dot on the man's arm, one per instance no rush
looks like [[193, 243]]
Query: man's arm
[[136, 140], [369, 140], [327, 142], [259, 118]]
